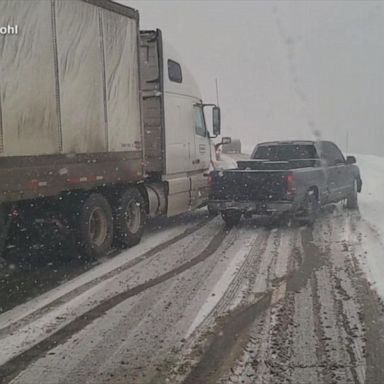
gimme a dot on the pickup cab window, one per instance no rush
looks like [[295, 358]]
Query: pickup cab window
[[284, 152], [331, 154]]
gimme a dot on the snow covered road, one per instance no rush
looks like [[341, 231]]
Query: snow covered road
[[199, 303]]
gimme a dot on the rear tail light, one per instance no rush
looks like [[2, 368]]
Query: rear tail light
[[210, 180], [291, 183]]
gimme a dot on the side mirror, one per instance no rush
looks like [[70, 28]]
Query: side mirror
[[351, 159], [224, 140], [216, 121]]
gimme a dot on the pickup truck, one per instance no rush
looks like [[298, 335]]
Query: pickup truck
[[290, 179]]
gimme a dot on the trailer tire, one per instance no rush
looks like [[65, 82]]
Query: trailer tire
[[129, 218], [94, 229], [231, 217]]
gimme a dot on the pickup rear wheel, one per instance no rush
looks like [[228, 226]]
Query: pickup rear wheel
[[352, 202], [129, 218], [310, 209], [94, 229], [231, 217], [212, 212]]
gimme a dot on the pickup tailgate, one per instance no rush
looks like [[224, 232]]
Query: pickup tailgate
[[249, 185]]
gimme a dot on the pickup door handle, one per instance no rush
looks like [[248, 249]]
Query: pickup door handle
[[197, 161]]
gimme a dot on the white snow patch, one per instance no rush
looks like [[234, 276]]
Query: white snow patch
[[371, 257], [371, 200]]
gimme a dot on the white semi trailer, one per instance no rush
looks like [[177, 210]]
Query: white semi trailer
[[97, 119]]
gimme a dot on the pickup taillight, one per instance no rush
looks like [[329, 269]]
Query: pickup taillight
[[291, 184]]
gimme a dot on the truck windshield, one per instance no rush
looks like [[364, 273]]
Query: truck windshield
[[285, 152]]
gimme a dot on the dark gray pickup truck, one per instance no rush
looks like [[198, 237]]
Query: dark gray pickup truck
[[286, 178]]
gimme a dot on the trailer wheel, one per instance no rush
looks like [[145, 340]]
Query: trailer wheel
[[129, 218], [95, 227], [231, 217]]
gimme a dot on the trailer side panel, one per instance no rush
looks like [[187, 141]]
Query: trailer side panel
[[69, 97], [30, 121]]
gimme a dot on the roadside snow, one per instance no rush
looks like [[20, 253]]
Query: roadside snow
[[371, 202], [372, 196]]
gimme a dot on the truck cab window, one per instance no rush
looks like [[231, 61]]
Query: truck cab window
[[174, 71], [331, 154], [200, 128]]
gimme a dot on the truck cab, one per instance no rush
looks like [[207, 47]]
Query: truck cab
[[177, 141]]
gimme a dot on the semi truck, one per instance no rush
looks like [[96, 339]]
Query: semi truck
[[99, 121]]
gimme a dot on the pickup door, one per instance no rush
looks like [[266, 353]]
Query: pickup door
[[339, 175]]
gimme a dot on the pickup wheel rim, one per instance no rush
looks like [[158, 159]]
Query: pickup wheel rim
[[98, 228]]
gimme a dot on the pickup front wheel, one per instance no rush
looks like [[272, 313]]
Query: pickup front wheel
[[352, 202], [231, 217]]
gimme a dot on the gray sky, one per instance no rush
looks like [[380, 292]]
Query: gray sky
[[285, 69]]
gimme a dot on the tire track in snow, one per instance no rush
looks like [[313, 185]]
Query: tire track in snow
[[33, 316], [371, 314], [232, 335], [20, 362], [246, 274], [251, 263]]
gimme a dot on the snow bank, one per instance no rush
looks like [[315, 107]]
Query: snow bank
[[370, 248], [371, 200]]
